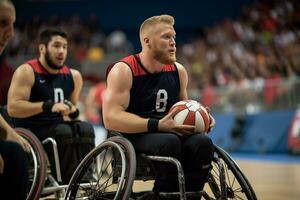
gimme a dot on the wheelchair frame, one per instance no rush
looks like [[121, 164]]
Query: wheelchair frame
[[124, 173], [219, 182], [40, 171], [40, 167], [224, 168]]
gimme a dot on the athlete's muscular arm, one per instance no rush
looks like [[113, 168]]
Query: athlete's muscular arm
[[183, 81], [19, 92], [77, 78], [116, 101], [11, 135]]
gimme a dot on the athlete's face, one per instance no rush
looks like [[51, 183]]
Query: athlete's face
[[56, 52], [7, 20], [162, 43]]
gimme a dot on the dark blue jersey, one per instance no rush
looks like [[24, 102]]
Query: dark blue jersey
[[152, 94], [54, 87]]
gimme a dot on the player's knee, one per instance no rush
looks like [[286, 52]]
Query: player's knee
[[85, 129], [202, 141], [171, 145], [206, 141], [63, 131]]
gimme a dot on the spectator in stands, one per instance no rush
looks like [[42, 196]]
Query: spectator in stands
[[93, 103], [93, 110]]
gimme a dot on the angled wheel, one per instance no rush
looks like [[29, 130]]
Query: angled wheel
[[130, 164], [37, 164], [226, 180], [94, 178]]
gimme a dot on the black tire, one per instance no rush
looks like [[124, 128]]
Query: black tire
[[103, 186], [37, 164], [226, 180], [130, 164]]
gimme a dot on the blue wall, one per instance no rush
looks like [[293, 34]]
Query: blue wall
[[190, 15], [266, 132]]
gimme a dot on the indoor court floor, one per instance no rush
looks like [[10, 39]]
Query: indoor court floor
[[273, 177]]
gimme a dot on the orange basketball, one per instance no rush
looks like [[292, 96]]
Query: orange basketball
[[190, 112]]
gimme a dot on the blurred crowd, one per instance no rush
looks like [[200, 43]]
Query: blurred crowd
[[255, 53], [87, 40]]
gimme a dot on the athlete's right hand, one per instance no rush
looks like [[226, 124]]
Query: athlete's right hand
[[61, 108], [167, 124], [12, 135]]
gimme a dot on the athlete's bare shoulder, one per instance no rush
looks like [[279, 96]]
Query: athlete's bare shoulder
[[25, 72], [179, 66], [120, 69], [75, 73]]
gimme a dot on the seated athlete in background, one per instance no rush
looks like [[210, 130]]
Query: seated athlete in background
[[43, 96]]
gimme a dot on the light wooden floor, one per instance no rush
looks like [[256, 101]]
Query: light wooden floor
[[270, 180], [273, 181]]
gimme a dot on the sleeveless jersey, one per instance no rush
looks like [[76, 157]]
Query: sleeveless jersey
[[152, 94], [55, 87]]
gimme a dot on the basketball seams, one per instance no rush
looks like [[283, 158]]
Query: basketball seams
[[205, 118], [191, 112], [190, 118], [181, 116], [179, 108], [200, 125]]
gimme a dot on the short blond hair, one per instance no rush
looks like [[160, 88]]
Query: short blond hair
[[151, 21]]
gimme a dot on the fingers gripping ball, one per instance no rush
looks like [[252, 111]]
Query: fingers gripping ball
[[190, 112]]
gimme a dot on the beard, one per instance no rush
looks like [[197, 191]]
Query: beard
[[50, 62], [164, 57]]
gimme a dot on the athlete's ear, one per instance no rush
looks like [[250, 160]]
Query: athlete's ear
[[42, 48], [146, 41]]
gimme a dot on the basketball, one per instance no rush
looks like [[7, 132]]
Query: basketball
[[190, 112]]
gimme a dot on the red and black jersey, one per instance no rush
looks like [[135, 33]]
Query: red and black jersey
[[55, 87], [152, 94]]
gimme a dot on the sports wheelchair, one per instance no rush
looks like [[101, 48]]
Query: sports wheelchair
[[225, 180], [95, 176]]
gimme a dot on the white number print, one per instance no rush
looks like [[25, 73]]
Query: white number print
[[58, 95], [161, 100]]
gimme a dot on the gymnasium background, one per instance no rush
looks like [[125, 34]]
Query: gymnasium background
[[242, 57]]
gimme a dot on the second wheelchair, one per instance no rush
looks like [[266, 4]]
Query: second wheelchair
[[95, 177]]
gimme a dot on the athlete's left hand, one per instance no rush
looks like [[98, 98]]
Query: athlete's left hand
[[72, 109], [71, 106]]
